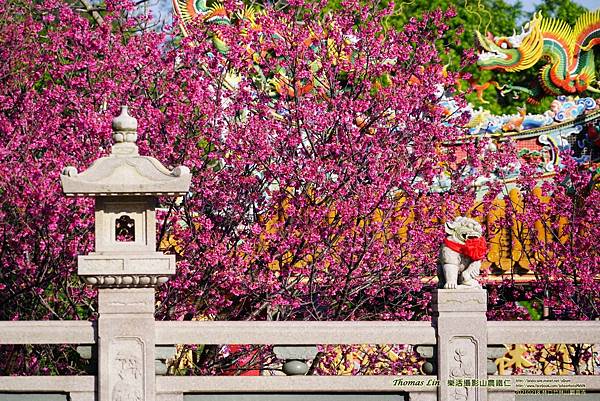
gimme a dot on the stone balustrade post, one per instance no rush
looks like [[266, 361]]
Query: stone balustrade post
[[461, 331], [126, 344]]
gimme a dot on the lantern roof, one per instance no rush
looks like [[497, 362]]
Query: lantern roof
[[124, 172]]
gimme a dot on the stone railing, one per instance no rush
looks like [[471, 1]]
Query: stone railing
[[458, 336]]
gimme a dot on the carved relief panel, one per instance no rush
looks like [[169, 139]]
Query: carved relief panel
[[126, 372], [463, 369]]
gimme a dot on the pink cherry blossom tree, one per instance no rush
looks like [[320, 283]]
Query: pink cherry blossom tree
[[554, 223], [315, 142]]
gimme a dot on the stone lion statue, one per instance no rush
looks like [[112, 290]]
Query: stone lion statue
[[461, 254]]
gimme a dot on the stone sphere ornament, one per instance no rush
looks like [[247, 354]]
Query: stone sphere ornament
[[295, 368], [461, 253]]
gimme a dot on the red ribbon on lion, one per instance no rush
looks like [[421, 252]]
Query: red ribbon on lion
[[473, 248]]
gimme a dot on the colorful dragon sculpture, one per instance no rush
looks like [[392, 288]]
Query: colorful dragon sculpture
[[199, 10], [188, 10], [214, 13], [567, 52]]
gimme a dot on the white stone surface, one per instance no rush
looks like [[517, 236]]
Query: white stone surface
[[169, 397], [47, 332], [421, 396], [124, 127], [82, 396], [125, 185], [299, 333], [34, 384], [270, 384], [505, 396], [543, 332], [127, 311], [461, 342], [153, 263], [126, 175], [286, 352], [126, 270], [140, 209]]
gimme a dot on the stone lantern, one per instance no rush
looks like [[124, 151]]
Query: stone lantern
[[125, 265], [125, 186]]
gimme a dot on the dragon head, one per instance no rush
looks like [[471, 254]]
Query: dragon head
[[511, 53]]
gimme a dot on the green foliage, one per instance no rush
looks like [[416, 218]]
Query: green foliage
[[483, 15], [495, 16], [535, 309], [565, 10]]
